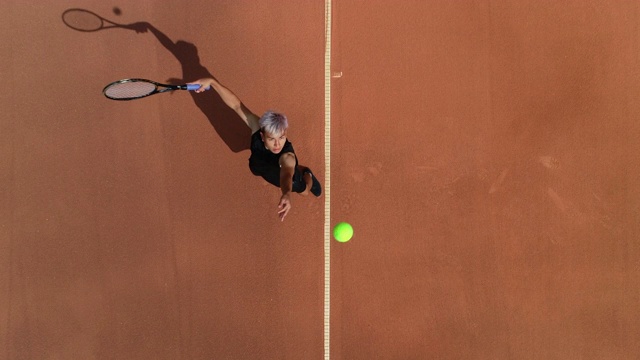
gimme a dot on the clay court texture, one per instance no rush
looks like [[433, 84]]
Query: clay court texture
[[486, 153]]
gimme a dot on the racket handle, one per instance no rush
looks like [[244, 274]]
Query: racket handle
[[192, 87]]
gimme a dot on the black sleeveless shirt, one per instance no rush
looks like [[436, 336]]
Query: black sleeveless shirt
[[263, 162]]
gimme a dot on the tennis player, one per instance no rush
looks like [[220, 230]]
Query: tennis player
[[272, 155]]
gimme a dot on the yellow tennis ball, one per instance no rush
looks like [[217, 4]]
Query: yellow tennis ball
[[343, 232]]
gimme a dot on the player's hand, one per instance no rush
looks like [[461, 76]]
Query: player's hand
[[139, 27], [205, 84], [284, 206]]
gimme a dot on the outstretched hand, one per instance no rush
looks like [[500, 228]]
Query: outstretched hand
[[205, 84], [139, 27], [284, 206]]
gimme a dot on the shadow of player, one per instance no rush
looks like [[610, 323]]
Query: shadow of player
[[231, 129]]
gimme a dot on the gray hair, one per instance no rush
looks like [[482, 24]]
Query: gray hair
[[273, 122]]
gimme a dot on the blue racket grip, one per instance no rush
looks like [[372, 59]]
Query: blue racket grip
[[192, 87]]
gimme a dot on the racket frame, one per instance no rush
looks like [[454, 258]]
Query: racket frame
[[166, 87], [105, 24]]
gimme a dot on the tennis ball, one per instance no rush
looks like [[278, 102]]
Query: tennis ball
[[343, 232]]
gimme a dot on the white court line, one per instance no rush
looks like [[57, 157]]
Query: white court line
[[327, 179]]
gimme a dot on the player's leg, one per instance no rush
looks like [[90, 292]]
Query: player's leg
[[311, 181], [299, 185], [303, 178]]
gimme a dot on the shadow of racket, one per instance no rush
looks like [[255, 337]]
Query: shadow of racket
[[87, 21]]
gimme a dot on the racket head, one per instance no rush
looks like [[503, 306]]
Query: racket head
[[84, 20], [130, 89]]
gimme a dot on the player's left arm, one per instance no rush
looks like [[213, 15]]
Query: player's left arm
[[287, 169]]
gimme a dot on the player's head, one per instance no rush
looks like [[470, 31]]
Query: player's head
[[273, 130]]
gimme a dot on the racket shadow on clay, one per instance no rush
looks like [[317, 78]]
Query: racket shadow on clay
[[231, 129], [227, 124], [87, 21]]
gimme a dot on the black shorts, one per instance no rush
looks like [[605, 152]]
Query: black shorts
[[272, 176]]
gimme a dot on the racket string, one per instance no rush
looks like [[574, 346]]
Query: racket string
[[127, 90]]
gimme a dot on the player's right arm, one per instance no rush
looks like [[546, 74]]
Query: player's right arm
[[231, 100]]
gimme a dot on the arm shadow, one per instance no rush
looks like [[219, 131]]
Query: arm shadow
[[229, 126]]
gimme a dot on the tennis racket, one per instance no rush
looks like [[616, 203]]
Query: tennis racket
[[130, 89], [87, 21]]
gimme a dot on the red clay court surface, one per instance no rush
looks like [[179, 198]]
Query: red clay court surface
[[486, 153]]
